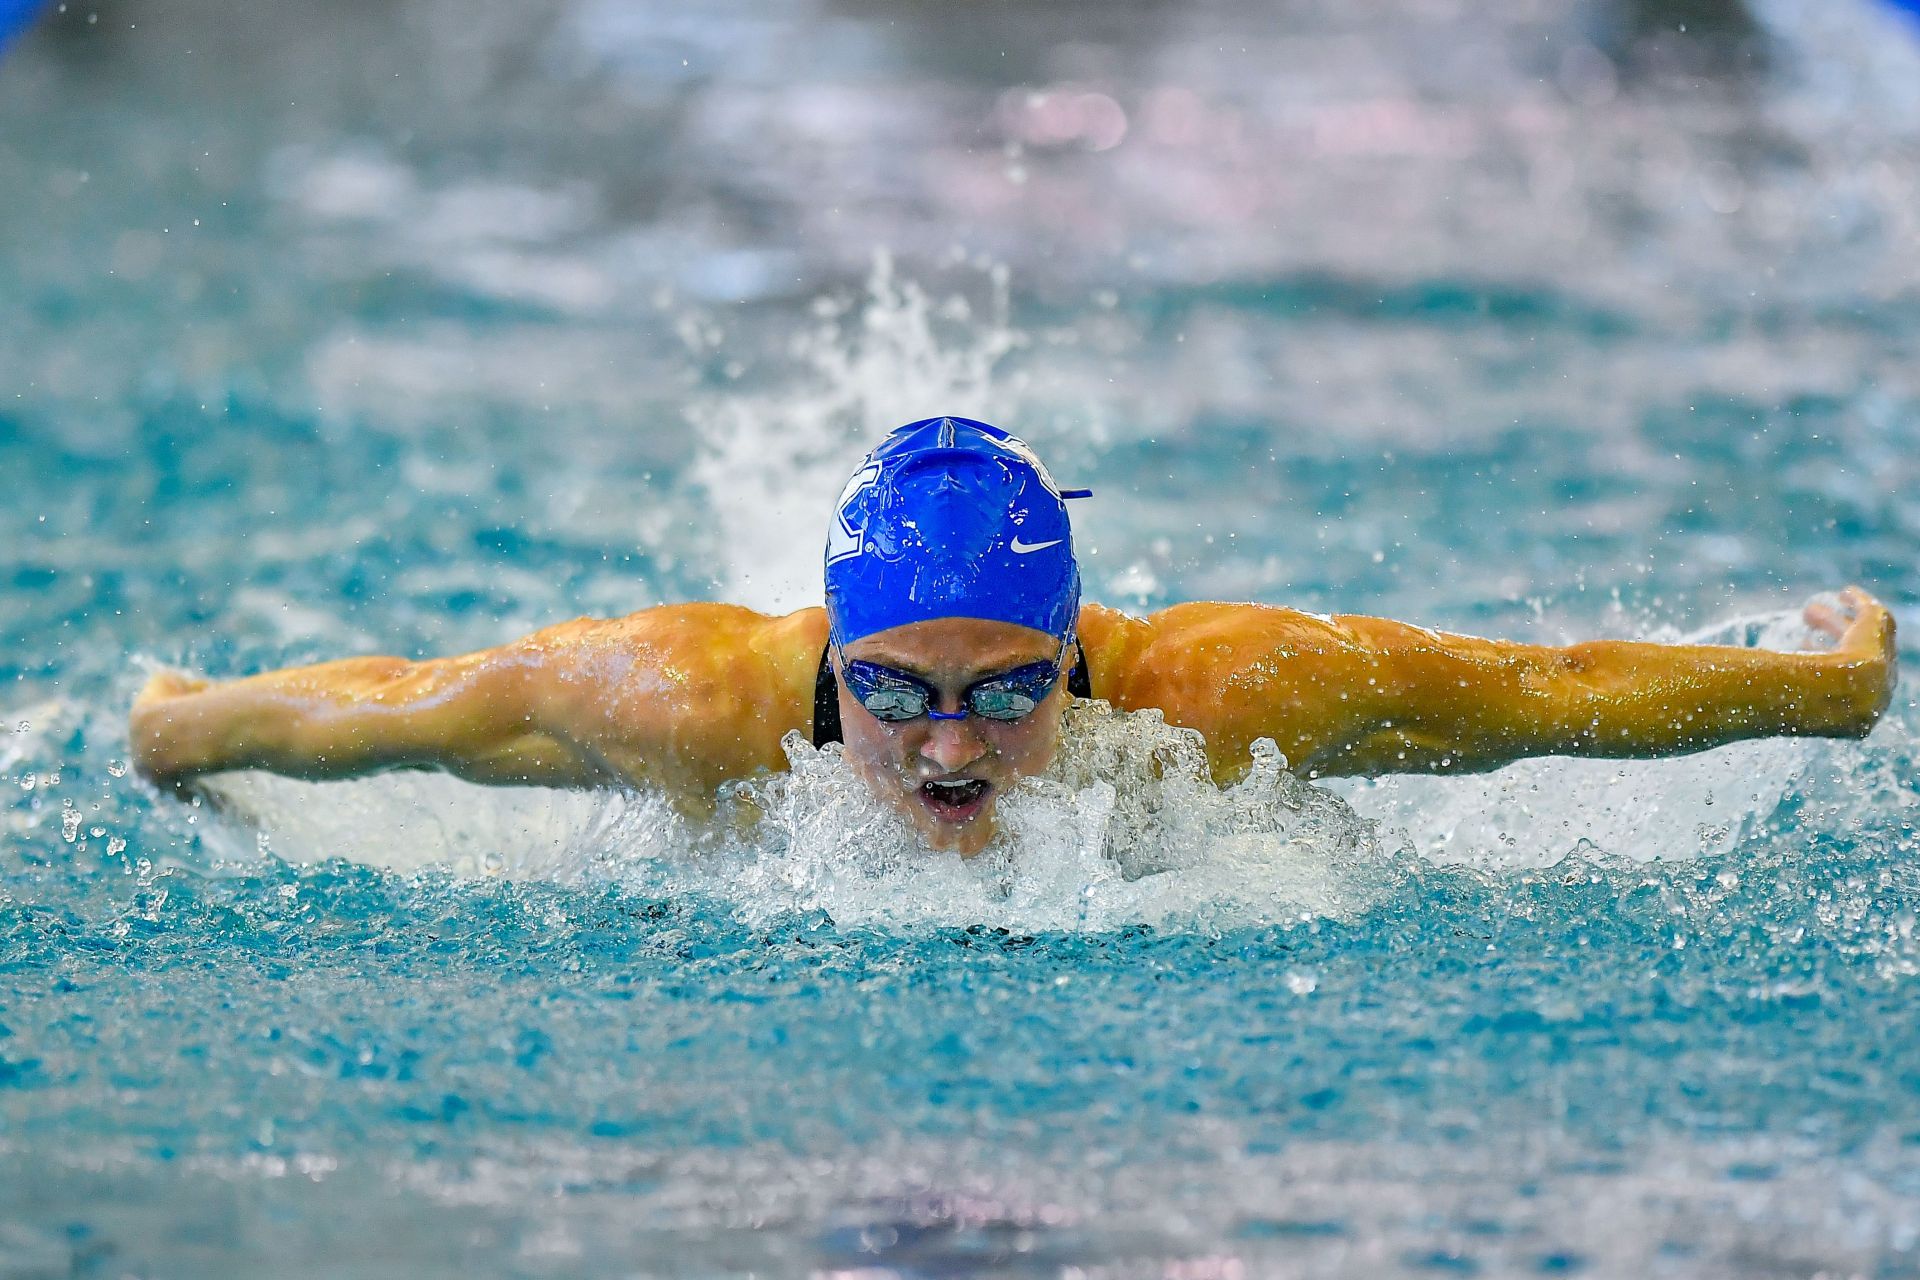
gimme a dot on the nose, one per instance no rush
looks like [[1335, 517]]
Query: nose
[[952, 744]]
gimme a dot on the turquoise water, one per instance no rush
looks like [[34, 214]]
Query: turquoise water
[[410, 328]]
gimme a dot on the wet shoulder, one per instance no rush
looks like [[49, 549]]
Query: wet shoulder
[[707, 648], [709, 687], [1190, 650]]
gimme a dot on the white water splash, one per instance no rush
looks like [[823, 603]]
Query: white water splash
[[1536, 812], [22, 729], [411, 822], [1126, 828], [771, 462]]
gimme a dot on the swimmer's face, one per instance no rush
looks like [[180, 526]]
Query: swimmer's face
[[946, 776]]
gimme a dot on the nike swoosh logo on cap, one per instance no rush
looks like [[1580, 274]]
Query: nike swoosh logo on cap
[[1022, 548]]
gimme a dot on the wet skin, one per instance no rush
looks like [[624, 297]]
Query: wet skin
[[946, 776]]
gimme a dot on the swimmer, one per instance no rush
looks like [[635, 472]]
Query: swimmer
[[952, 638]]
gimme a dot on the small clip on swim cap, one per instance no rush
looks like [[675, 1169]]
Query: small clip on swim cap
[[951, 518]]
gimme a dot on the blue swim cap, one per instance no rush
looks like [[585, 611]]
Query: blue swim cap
[[951, 518]]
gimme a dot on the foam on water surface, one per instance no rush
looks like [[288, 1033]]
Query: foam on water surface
[[1126, 828]]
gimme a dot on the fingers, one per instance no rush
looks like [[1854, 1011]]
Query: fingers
[[1826, 619], [1853, 618], [1831, 615]]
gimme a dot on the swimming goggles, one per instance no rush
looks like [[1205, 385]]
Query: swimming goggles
[[896, 697]]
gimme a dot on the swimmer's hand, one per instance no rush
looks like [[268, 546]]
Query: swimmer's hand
[[1862, 629], [147, 726]]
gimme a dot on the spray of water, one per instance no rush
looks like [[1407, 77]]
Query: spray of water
[[771, 461], [1127, 827]]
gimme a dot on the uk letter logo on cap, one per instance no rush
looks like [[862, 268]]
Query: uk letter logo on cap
[[843, 540]]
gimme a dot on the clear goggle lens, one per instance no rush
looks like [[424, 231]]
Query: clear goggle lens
[[895, 696]]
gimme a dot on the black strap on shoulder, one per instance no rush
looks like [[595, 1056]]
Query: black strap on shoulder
[[826, 694], [1077, 682], [826, 703]]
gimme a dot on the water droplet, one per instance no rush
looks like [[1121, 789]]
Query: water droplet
[[118, 768]]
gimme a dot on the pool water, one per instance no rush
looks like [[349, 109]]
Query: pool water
[[359, 329]]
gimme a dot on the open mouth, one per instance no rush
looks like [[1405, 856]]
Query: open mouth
[[955, 801]]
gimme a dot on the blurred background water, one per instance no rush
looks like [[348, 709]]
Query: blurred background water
[[406, 326]]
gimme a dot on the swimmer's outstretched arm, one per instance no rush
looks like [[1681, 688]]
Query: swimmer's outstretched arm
[[681, 697], [1354, 695], [471, 715]]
